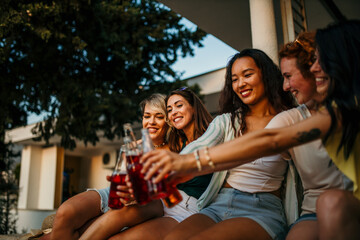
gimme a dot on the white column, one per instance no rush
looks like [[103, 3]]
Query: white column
[[24, 178], [263, 29], [29, 177], [38, 177], [47, 181]]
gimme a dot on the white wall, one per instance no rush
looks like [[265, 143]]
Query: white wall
[[96, 174], [210, 82]]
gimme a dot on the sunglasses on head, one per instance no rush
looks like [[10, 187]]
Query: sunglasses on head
[[304, 47], [301, 44]]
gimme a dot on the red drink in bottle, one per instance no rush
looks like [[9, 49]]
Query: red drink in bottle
[[114, 200], [173, 198], [139, 185], [156, 190], [133, 154], [117, 178]]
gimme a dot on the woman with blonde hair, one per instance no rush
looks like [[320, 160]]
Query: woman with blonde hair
[[82, 216]]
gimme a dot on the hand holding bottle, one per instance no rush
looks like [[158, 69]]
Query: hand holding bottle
[[117, 180], [163, 163], [133, 153]]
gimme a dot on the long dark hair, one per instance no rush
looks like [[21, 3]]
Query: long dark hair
[[272, 79], [339, 52], [202, 119]]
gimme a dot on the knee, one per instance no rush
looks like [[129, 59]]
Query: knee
[[332, 204], [332, 200], [65, 213]]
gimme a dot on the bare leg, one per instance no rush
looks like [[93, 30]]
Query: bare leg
[[190, 227], [114, 221], [304, 230], [73, 214], [235, 228], [338, 213], [154, 229]]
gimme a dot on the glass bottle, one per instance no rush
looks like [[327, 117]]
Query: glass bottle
[[170, 194], [117, 178], [173, 198], [133, 155], [156, 190]]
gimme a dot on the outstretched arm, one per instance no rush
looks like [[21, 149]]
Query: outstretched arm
[[240, 150], [269, 141]]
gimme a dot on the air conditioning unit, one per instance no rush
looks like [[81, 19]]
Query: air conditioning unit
[[109, 159]]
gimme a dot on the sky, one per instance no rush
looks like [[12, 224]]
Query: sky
[[213, 55]]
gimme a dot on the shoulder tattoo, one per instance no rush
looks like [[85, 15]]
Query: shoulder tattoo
[[304, 137]]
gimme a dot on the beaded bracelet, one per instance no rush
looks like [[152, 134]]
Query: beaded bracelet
[[208, 159], [197, 158]]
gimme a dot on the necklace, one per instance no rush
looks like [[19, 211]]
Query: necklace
[[160, 145]]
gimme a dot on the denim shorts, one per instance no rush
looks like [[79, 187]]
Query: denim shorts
[[104, 195], [305, 217], [264, 208], [182, 210]]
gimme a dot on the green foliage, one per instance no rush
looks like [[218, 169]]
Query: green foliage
[[8, 189], [87, 64]]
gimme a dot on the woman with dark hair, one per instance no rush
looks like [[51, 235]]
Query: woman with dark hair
[[251, 96], [201, 117], [337, 76]]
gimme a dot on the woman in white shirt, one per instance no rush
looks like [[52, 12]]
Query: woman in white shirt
[[249, 195]]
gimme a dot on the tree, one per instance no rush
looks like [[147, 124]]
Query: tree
[[86, 64], [8, 189]]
